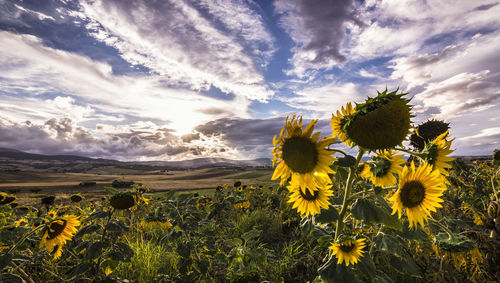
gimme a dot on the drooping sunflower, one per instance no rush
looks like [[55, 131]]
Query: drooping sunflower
[[379, 123], [437, 154], [426, 132], [338, 122], [309, 202], [301, 155], [349, 251], [419, 192], [382, 168], [58, 232]]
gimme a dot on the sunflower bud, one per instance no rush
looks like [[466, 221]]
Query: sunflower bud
[[380, 123], [6, 199]]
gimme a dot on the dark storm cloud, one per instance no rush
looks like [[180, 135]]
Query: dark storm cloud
[[321, 25], [246, 133]]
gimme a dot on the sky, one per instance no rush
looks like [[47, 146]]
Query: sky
[[173, 80]]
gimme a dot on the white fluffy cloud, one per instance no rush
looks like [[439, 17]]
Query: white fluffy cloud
[[174, 40], [32, 69]]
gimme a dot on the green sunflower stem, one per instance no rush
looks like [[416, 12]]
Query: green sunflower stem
[[24, 238], [347, 192], [418, 154]]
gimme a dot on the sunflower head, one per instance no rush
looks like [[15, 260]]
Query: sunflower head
[[419, 193], [48, 200], [436, 154], [348, 250], [21, 222], [123, 200], [6, 198], [58, 232], [379, 123], [237, 184], [76, 198], [338, 121], [52, 214], [426, 132], [301, 155], [310, 201], [381, 169]]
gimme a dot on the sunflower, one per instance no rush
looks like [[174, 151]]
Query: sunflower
[[436, 154], [122, 200], [155, 224], [419, 191], [426, 132], [309, 202], [349, 251], [379, 123], [301, 156], [58, 232], [52, 214], [383, 167], [338, 121], [21, 222]]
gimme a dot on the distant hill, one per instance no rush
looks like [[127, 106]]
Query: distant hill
[[211, 162], [21, 155], [41, 161]]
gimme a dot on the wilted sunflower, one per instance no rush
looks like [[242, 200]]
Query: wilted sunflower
[[122, 200], [436, 154], [383, 167], [76, 198], [58, 232], [48, 200], [419, 191], [349, 251], [379, 123], [301, 155], [426, 132], [309, 202], [338, 122]]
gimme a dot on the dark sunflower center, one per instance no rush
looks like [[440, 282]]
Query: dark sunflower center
[[346, 248], [412, 194], [56, 228], [380, 167], [300, 154], [308, 196]]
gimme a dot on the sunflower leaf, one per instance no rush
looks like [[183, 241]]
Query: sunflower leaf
[[387, 243], [327, 215], [365, 210], [333, 272], [87, 230], [10, 278], [78, 269], [94, 250], [5, 260]]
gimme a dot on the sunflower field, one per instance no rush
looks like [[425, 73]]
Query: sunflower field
[[377, 216]]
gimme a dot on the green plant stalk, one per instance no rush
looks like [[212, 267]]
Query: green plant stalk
[[421, 155], [347, 192]]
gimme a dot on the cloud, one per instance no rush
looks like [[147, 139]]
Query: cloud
[[406, 27], [324, 100], [318, 29], [140, 141], [35, 71], [175, 41], [464, 92]]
